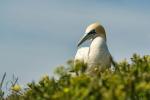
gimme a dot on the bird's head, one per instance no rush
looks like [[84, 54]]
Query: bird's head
[[92, 31]]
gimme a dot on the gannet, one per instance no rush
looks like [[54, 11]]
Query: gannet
[[97, 55]]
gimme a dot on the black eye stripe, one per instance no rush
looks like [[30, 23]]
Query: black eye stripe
[[92, 32]]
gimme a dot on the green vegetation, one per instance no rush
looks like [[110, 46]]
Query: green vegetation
[[131, 82]]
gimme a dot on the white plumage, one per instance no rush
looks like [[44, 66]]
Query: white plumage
[[82, 54], [97, 54]]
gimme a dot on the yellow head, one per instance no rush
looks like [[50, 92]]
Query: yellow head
[[92, 31]]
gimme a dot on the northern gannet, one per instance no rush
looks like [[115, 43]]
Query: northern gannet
[[97, 55]]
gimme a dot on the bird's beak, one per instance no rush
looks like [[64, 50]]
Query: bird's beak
[[85, 37]]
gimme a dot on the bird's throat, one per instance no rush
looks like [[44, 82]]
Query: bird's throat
[[98, 43]]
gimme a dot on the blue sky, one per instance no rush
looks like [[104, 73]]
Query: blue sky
[[38, 35]]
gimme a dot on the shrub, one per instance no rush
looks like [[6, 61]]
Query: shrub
[[131, 82]]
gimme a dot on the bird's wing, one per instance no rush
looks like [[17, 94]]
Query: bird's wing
[[114, 63]]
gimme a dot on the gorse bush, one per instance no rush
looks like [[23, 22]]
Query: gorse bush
[[130, 82]]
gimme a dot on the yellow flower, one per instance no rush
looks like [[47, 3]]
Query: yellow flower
[[16, 88], [66, 90], [143, 86]]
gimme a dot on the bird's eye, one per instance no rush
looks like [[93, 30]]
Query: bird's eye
[[92, 32]]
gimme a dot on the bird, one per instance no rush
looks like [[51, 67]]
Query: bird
[[96, 56]]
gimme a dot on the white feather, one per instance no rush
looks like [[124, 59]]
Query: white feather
[[95, 55], [99, 54], [82, 54]]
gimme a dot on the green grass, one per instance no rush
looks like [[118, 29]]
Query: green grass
[[131, 82]]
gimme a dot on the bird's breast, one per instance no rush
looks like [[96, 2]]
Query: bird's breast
[[99, 53]]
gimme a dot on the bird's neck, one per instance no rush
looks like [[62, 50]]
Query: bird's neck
[[98, 42]]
